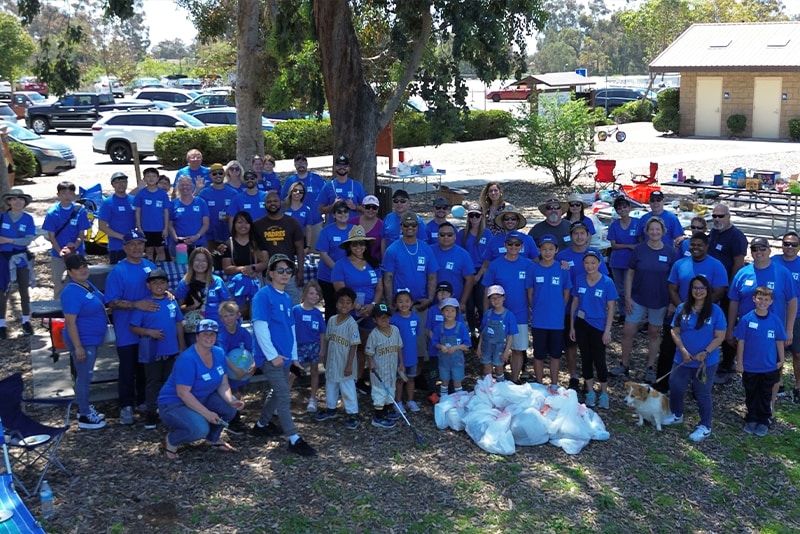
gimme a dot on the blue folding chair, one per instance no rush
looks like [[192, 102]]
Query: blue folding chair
[[30, 442], [14, 515]]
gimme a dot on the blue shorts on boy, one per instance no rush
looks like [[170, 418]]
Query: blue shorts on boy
[[409, 328], [495, 328], [165, 319], [451, 366], [151, 204], [309, 324]]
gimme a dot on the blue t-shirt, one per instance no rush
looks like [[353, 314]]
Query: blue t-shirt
[[328, 242], [516, 277], [459, 334], [152, 205], [432, 232], [241, 338], [252, 204], [671, 222], [775, 276], [476, 246], [696, 340], [391, 229], [269, 181], [313, 184], [194, 175], [684, 248], [217, 201], [548, 307], [434, 318], [165, 318], [651, 270], [363, 282], [497, 247], [120, 215], [588, 222], [275, 308], [410, 328], [794, 269], [622, 236], [308, 324], [411, 265], [188, 219], [349, 190], [73, 220], [760, 335], [214, 294], [189, 370], [24, 226], [575, 262], [304, 215], [509, 324], [593, 300], [454, 265], [686, 268], [127, 281], [90, 312]]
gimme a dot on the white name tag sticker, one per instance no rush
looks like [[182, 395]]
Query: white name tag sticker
[[753, 325], [662, 259]]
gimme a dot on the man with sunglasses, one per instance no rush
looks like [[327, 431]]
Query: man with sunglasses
[[729, 245], [455, 264], [553, 224], [313, 183], [789, 259], [342, 187], [410, 263], [401, 204], [250, 200], [440, 210], [218, 197], [672, 225]]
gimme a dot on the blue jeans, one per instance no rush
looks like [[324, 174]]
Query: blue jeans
[[187, 425], [678, 384], [130, 378], [278, 399], [83, 377]]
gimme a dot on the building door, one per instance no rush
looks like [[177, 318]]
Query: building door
[[767, 108], [707, 116]]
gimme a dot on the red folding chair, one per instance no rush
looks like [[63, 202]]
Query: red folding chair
[[604, 177], [645, 179]]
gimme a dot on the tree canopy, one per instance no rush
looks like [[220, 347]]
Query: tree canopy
[[17, 46]]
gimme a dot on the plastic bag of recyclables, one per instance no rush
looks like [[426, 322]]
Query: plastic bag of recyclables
[[500, 415]]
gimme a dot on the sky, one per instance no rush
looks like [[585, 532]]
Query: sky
[[167, 21]]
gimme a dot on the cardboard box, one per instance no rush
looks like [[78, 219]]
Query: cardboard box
[[455, 197]]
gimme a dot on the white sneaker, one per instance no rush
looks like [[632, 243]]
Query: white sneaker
[[700, 433], [401, 408], [413, 406], [126, 416], [94, 412], [312, 406], [672, 419]]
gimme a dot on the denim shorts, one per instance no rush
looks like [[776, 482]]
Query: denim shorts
[[655, 316], [451, 367], [520, 340], [411, 371]]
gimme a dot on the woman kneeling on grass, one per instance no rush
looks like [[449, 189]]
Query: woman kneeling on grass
[[196, 400]]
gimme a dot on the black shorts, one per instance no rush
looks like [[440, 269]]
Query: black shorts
[[154, 239]]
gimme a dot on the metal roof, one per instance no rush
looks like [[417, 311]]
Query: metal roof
[[555, 79], [760, 46]]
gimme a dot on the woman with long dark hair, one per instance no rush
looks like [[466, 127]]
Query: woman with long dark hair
[[698, 330], [243, 261], [200, 293]]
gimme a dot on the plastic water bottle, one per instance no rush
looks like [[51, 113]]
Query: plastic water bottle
[[46, 500], [181, 255]]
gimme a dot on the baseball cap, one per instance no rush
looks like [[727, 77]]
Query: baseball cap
[[342, 160], [445, 286], [656, 195], [593, 253], [450, 301], [381, 309], [118, 176], [578, 224], [157, 274], [759, 242], [207, 325], [514, 235], [133, 235], [275, 258], [400, 193], [371, 200], [495, 290], [474, 207], [216, 167], [408, 217], [548, 239], [440, 203], [75, 261]]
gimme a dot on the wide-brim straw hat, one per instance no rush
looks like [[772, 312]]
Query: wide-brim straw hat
[[17, 193], [357, 234], [521, 220], [576, 197], [543, 205]]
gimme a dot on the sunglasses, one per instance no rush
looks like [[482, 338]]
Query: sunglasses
[[440, 207], [514, 244], [790, 244], [218, 173], [343, 210], [575, 205], [448, 234], [699, 288], [237, 169], [759, 249], [250, 178], [284, 270], [474, 216], [510, 218], [371, 207], [399, 200], [715, 216], [554, 207], [697, 227], [661, 199], [298, 191], [410, 225]]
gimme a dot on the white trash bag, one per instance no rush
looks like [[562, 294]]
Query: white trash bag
[[497, 438]]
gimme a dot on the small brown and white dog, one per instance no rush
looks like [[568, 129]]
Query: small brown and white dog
[[649, 403]]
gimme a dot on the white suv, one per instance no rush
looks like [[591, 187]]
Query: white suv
[[109, 84], [114, 133]]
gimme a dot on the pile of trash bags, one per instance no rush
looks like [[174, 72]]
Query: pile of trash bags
[[498, 416]]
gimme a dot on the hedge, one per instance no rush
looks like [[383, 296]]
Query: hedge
[[24, 160], [217, 143], [310, 137]]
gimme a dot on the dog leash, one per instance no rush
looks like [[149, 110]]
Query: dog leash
[[701, 371], [670, 371]]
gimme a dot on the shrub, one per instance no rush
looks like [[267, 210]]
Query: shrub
[[668, 118], [308, 136], [479, 125], [411, 129], [636, 111], [24, 160], [736, 123], [794, 129], [217, 143]]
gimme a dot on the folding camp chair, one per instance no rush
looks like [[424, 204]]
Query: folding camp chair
[[14, 515], [30, 442], [646, 179], [605, 173]]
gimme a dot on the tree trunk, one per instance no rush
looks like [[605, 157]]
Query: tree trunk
[[352, 103], [249, 69], [4, 178]]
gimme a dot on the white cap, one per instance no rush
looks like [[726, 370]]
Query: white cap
[[495, 290], [371, 200]]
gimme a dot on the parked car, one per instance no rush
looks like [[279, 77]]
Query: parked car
[[31, 83], [166, 94], [76, 110], [109, 84], [5, 90], [114, 133], [51, 156], [611, 98], [7, 114], [225, 116], [205, 100], [510, 92], [22, 100], [142, 83], [188, 83]]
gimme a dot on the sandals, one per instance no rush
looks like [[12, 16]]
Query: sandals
[[221, 446], [170, 453]]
